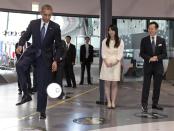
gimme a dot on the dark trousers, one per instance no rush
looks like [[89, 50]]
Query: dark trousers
[[69, 74], [43, 74], [28, 80], [157, 79], [58, 77], [34, 78], [88, 68]]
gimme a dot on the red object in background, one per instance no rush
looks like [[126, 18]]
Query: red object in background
[[13, 54]]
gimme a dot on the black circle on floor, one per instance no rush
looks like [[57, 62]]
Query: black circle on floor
[[153, 115], [90, 121]]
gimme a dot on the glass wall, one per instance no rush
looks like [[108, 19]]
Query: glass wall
[[132, 31], [12, 24]]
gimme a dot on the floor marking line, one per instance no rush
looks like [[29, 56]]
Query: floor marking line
[[59, 103]]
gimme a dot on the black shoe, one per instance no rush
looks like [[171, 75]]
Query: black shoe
[[34, 89], [65, 97], [42, 115], [144, 108], [90, 83], [157, 107], [80, 83], [25, 98], [74, 87], [68, 86], [31, 91]]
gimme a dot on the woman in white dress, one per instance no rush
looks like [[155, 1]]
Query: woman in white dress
[[112, 53]]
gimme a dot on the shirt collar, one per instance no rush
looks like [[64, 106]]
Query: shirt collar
[[153, 36], [46, 24]]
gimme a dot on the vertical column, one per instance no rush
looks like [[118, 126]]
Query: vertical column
[[105, 21]]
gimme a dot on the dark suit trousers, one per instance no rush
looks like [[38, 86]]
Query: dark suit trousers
[[157, 74], [69, 74], [43, 74], [22, 67], [59, 77], [28, 80], [88, 68], [44, 77], [34, 77]]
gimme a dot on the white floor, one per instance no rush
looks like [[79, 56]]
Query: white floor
[[155, 126]]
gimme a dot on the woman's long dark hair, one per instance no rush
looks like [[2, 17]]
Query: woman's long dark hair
[[117, 39]]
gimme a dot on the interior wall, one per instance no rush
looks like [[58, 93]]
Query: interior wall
[[16, 4], [145, 8], [137, 8]]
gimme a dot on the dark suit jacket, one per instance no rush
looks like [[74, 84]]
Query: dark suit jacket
[[83, 53], [52, 39], [70, 54], [146, 53]]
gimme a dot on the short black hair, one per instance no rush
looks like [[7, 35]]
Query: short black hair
[[47, 7], [68, 36], [87, 37], [154, 23]]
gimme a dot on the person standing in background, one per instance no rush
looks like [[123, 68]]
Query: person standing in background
[[86, 59], [27, 44], [153, 51], [70, 59], [112, 54]]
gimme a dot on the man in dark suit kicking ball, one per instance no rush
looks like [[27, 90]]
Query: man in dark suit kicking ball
[[45, 35]]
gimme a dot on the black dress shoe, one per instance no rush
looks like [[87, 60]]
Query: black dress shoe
[[42, 115], [25, 99], [89, 83], [31, 91], [74, 87], [34, 89], [157, 107], [68, 86], [80, 83], [144, 108]]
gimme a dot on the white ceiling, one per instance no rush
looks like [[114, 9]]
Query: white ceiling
[[139, 8]]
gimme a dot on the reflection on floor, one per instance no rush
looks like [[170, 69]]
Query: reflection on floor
[[61, 114], [156, 126]]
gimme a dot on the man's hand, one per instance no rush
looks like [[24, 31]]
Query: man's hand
[[153, 59], [19, 49], [54, 66]]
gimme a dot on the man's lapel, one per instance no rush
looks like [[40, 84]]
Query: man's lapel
[[150, 44]]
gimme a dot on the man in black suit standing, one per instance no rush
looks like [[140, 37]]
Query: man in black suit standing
[[27, 44], [70, 62], [45, 34], [58, 76], [86, 59], [153, 51]]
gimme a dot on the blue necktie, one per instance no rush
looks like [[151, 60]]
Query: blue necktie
[[42, 33], [153, 45]]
